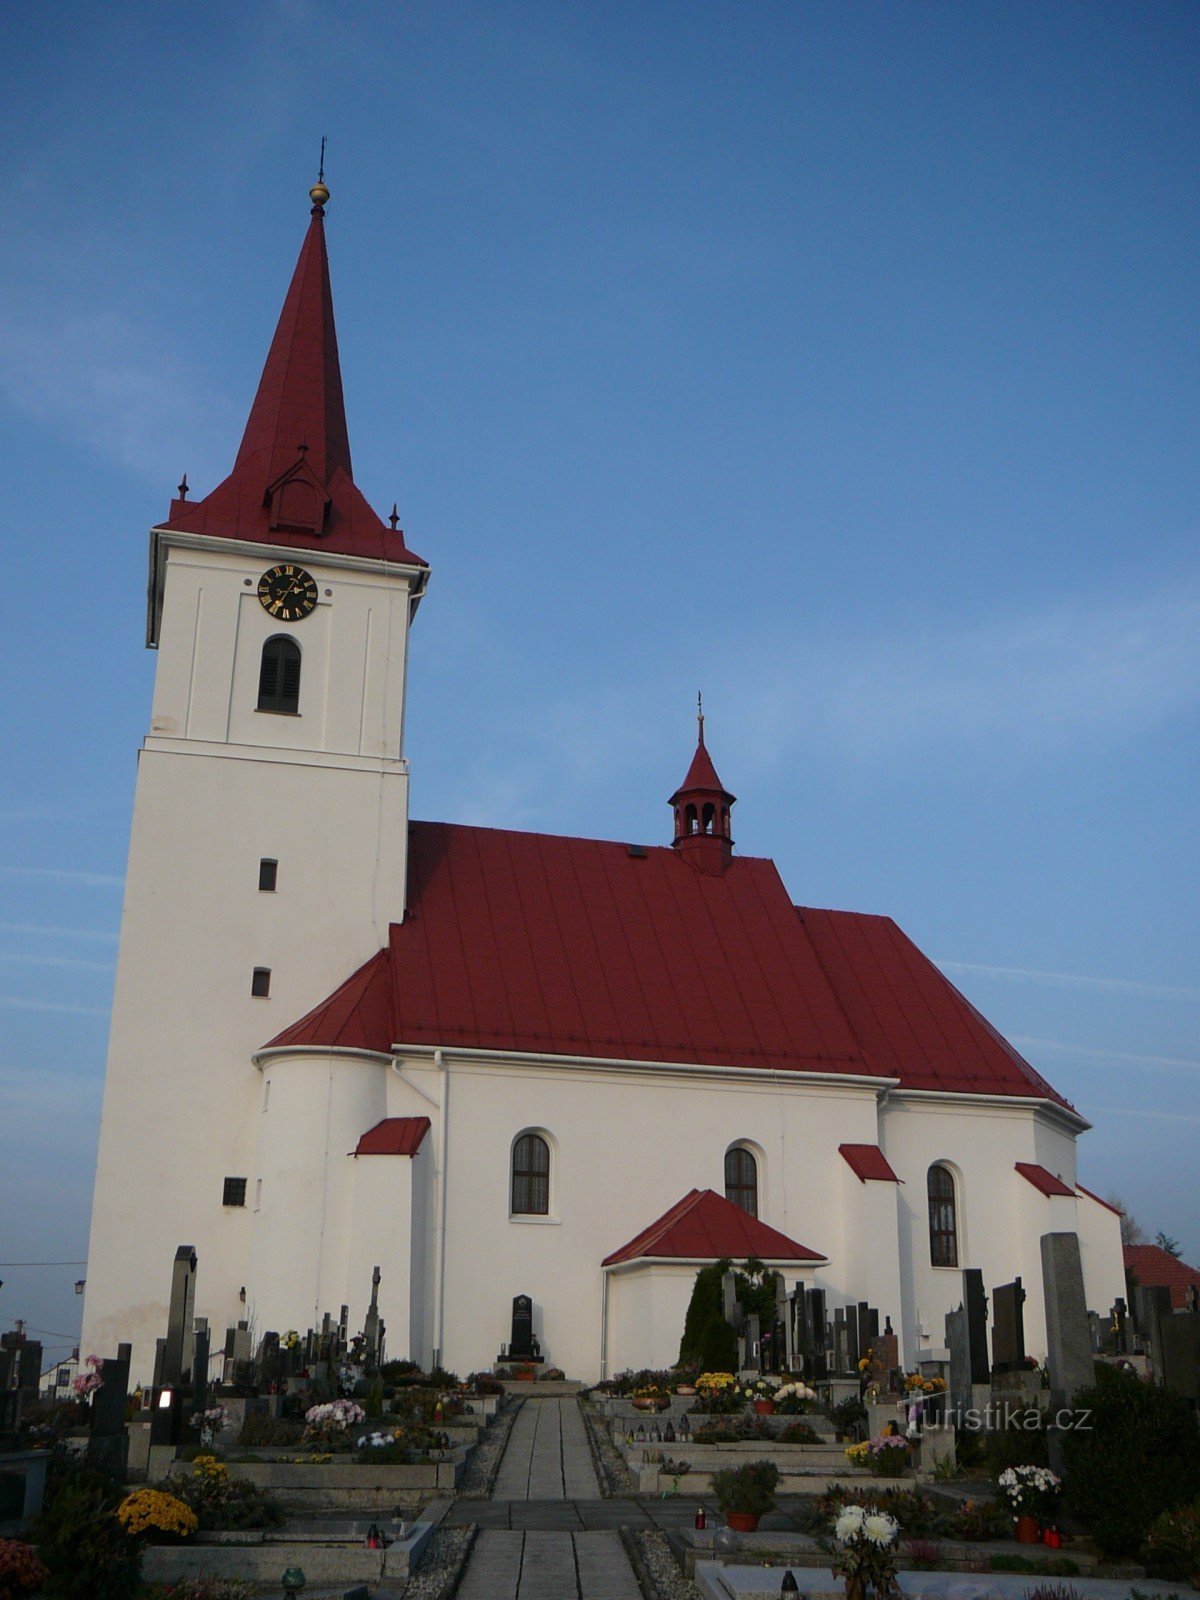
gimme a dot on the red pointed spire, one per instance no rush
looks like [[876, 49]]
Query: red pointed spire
[[299, 400], [702, 805], [292, 483]]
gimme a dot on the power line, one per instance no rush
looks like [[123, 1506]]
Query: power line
[[43, 1263]]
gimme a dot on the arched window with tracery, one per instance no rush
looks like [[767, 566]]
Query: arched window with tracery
[[530, 1176], [279, 675], [741, 1178], [943, 1222]]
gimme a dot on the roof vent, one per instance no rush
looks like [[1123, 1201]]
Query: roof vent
[[637, 851]]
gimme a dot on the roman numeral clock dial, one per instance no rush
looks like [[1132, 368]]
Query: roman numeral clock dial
[[287, 592]]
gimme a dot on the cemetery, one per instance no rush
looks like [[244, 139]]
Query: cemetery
[[810, 1461]]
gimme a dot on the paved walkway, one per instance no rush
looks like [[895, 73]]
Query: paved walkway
[[546, 1478]]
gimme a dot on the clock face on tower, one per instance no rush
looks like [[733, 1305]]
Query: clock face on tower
[[287, 592]]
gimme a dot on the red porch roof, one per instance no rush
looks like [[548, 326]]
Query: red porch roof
[[704, 1226], [867, 1162], [394, 1136], [1041, 1179]]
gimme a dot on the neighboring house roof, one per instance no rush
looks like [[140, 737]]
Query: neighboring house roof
[[1154, 1267], [545, 945], [394, 1136], [297, 428], [867, 1162], [1041, 1179], [704, 1226]]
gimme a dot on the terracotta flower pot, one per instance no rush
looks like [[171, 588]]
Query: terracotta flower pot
[[742, 1521], [765, 1408], [1028, 1531]]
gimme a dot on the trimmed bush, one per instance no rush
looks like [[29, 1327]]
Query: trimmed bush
[[87, 1553], [1140, 1456]]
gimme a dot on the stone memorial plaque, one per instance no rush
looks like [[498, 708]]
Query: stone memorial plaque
[[520, 1345]]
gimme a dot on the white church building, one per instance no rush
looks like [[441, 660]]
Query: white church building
[[490, 1062]]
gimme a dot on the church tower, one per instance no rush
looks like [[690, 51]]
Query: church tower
[[269, 840], [702, 805]]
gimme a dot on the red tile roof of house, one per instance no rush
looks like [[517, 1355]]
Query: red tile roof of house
[[544, 945], [704, 1226], [867, 1162], [297, 422], [1041, 1179], [394, 1136], [1154, 1267]]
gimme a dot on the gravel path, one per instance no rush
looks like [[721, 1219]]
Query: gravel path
[[480, 1477]]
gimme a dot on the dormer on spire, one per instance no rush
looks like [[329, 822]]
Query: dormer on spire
[[702, 805]]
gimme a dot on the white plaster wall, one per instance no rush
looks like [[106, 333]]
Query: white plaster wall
[[872, 1246], [301, 1257], [998, 1226], [182, 1099], [382, 1236], [625, 1147], [1103, 1258], [647, 1305]]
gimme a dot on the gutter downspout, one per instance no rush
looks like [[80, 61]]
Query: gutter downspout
[[439, 1260], [603, 1324]]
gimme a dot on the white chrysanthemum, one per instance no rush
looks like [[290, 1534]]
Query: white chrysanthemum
[[879, 1528], [849, 1523]]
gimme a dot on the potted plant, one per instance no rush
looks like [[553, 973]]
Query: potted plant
[[746, 1493], [651, 1398], [1032, 1494], [847, 1416], [761, 1396]]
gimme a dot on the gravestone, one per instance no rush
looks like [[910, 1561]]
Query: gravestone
[[1008, 1327], [521, 1346], [108, 1442], [976, 1305], [200, 1365], [1120, 1327], [373, 1328], [1191, 1297], [1181, 1353], [815, 1300], [841, 1344], [177, 1356], [1154, 1308], [29, 1367], [751, 1344], [853, 1343], [958, 1342], [1069, 1357]]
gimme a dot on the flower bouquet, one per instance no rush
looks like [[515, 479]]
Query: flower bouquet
[[865, 1541], [1031, 1491], [717, 1392], [209, 1422], [327, 1424], [887, 1455], [793, 1398], [21, 1572], [157, 1516]]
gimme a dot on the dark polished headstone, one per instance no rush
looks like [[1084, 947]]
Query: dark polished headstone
[[520, 1345], [853, 1344], [200, 1365], [976, 1305], [1008, 1327], [820, 1333], [107, 1418], [177, 1359], [1181, 1353]]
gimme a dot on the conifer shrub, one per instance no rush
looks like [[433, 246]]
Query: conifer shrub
[[87, 1554], [708, 1340], [1137, 1455]]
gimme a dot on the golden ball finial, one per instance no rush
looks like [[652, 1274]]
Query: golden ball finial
[[319, 194]]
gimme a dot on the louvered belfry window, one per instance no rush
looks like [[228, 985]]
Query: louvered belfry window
[[741, 1179], [279, 675], [943, 1231], [531, 1176]]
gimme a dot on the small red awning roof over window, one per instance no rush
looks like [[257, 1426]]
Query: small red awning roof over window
[[394, 1136], [1043, 1180], [867, 1161], [704, 1226]]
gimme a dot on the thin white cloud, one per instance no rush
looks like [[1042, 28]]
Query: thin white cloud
[[1029, 1046], [57, 961], [19, 1003], [1138, 1111], [44, 931], [1070, 980], [99, 880]]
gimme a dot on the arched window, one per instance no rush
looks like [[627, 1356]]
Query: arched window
[[707, 815], [690, 825], [279, 675], [741, 1178], [531, 1176], [943, 1230]]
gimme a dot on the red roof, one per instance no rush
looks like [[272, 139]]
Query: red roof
[[701, 776], [704, 1226], [394, 1136], [867, 1161], [297, 426], [542, 945], [1043, 1180], [1107, 1204], [1154, 1267]]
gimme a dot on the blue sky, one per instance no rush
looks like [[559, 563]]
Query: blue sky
[[837, 360]]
